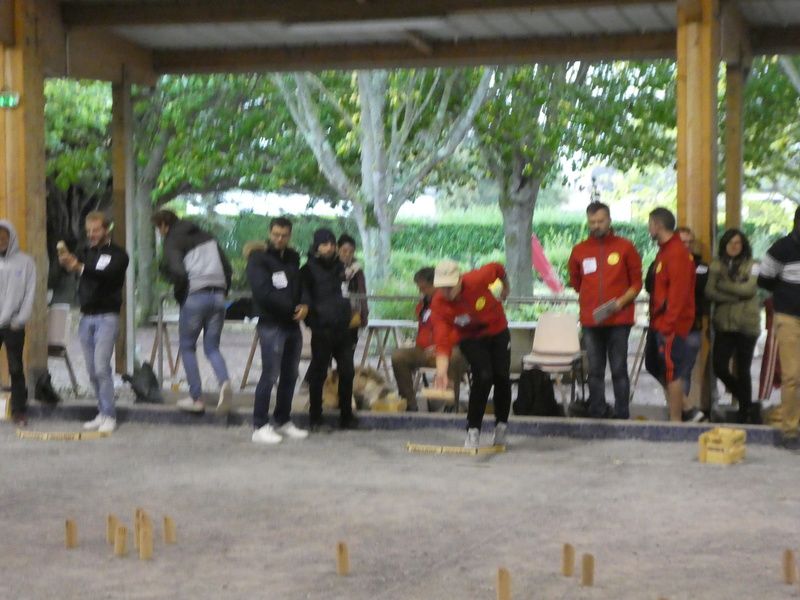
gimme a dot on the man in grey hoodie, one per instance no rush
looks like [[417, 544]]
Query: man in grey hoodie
[[18, 282]]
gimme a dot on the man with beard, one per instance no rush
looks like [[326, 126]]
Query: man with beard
[[606, 271]]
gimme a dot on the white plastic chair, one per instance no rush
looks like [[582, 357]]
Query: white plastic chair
[[58, 328], [557, 350]]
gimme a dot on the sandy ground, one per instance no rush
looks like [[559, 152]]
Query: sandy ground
[[257, 522]]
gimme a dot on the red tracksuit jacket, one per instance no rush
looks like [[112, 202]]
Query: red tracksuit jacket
[[672, 300], [601, 270], [476, 313]]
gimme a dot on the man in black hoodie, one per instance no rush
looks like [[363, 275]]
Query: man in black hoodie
[[280, 304], [101, 267], [329, 315], [201, 275]]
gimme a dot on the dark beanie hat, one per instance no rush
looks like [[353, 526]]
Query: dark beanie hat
[[322, 236]]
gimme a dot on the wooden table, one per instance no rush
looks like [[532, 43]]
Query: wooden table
[[380, 330]]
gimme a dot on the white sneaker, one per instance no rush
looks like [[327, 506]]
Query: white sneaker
[[500, 431], [94, 424], [473, 438], [191, 405], [291, 431], [225, 398], [266, 435], [108, 425]]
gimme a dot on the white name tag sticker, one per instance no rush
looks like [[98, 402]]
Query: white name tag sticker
[[589, 265], [279, 280], [754, 270], [462, 320], [426, 315], [701, 270], [102, 262]]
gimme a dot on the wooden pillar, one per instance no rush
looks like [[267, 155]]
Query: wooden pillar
[[122, 186], [698, 64], [22, 160], [735, 78]]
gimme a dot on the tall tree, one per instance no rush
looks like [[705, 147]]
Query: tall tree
[[377, 136], [539, 115]]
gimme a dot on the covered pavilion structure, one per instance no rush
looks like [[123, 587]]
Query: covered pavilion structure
[[129, 42]]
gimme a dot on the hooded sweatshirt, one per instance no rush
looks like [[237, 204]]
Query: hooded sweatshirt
[[18, 282]]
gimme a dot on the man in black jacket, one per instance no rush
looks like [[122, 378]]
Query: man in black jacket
[[101, 268], [779, 273], [329, 315], [280, 304], [201, 275]]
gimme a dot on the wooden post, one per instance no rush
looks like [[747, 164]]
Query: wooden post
[[170, 536], [568, 560], [137, 526], [789, 568], [735, 79], [342, 559], [503, 584], [146, 540], [698, 62], [111, 528], [587, 570], [121, 541], [71, 540], [22, 161], [122, 198]]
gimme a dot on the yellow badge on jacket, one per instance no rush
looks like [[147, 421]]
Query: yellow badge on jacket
[[658, 267], [480, 303], [613, 258]]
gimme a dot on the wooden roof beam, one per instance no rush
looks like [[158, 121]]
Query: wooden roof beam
[[6, 23], [776, 40], [517, 51], [142, 12]]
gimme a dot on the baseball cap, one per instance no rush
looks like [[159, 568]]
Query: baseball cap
[[447, 274]]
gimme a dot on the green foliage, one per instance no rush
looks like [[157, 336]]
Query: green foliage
[[77, 135]]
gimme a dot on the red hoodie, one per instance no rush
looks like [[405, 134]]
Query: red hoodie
[[672, 300], [476, 313], [602, 269]]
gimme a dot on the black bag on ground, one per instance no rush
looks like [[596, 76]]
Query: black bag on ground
[[44, 391], [535, 395], [145, 384]]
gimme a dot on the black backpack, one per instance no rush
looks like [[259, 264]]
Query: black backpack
[[145, 384], [535, 395]]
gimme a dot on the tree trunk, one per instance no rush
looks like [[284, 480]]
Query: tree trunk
[[517, 208], [377, 242], [145, 256]]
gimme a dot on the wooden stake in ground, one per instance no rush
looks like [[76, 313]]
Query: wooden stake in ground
[[789, 568], [137, 526], [587, 570], [121, 540], [503, 584], [111, 528], [342, 559], [568, 560], [71, 534], [145, 539], [169, 531]]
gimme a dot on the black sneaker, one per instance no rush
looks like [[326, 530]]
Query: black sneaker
[[348, 423], [320, 427], [693, 415]]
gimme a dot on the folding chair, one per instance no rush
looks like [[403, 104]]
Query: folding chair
[[58, 326], [557, 351]]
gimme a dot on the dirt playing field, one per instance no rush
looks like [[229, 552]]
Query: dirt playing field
[[256, 522]]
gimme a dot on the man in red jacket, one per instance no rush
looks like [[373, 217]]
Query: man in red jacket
[[465, 313], [606, 271], [671, 310], [405, 361]]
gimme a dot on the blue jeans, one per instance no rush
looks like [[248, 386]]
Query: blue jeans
[[203, 311], [98, 334], [608, 343], [280, 356]]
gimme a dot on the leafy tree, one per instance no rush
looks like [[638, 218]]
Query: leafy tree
[[377, 136]]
